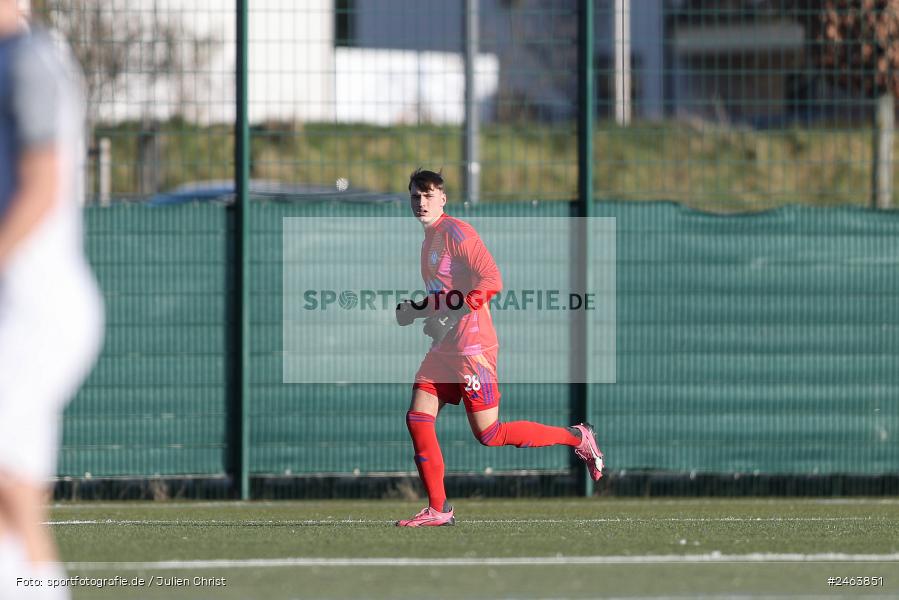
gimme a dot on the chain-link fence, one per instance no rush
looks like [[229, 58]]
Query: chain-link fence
[[738, 105], [744, 105]]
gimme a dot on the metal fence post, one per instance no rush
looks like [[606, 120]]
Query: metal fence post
[[623, 62], [882, 171], [585, 199], [240, 431], [472, 116]]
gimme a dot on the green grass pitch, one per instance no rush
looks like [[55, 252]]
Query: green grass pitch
[[526, 548]]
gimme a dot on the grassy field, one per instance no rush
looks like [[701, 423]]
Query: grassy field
[[706, 166], [572, 548]]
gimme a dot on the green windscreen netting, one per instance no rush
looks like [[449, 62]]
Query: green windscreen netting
[[760, 343]]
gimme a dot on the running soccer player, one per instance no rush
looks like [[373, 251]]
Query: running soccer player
[[50, 308], [460, 277]]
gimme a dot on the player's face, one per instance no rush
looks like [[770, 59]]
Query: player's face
[[427, 205]]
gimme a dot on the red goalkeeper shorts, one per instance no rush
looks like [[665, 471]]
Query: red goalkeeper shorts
[[454, 378]]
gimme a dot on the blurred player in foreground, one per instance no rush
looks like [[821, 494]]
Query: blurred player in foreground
[[50, 309], [460, 277]]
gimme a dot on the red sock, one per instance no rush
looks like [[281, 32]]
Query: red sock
[[526, 434], [428, 457]]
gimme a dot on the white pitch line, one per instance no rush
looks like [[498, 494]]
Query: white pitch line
[[200, 522], [711, 558], [237, 504], [174, 504]]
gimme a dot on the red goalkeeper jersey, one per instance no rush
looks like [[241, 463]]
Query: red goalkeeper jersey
[[453, 258]]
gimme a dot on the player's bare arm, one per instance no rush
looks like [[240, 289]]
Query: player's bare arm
[[34, 201]]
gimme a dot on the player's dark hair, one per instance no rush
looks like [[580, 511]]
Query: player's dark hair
[[426, 180]]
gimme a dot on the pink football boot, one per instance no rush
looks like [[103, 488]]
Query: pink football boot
[[589, 452], [428, 517]]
